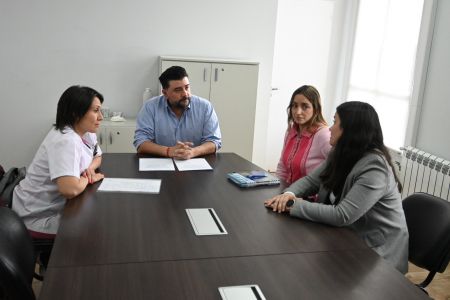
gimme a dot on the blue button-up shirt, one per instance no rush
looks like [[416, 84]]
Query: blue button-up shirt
[[156, 122]]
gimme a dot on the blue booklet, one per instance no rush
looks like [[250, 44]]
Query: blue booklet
[[253, 178]]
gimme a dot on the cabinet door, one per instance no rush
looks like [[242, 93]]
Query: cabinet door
[[120, 139], [101, 138], [233, 94], [199, 75]]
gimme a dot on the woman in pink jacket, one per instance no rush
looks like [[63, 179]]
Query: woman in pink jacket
[[307, 139]]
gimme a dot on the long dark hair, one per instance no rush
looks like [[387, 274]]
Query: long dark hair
[[361, 133], [312, 94], [73, 105]]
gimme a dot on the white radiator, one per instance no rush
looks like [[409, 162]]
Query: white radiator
[[424, 172]]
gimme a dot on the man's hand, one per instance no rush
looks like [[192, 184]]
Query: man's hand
[[182, 150]]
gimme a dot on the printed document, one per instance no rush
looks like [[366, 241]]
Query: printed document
[[192, 164], [156, 164], [130, 185]]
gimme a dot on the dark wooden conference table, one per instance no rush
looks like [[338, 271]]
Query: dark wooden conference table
[[142, 246]]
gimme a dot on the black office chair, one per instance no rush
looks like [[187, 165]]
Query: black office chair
[[16, 257], [42, 247], [428, 220], [8, 182]]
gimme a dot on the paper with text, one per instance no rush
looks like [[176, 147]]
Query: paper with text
[[192, 164], [156, 164], [130, 185]]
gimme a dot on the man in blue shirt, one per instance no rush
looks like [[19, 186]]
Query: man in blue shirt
[[177, 124]]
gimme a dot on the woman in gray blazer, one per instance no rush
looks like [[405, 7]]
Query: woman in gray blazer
[[356, 186]]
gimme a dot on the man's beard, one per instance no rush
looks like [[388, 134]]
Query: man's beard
[[180, 104]]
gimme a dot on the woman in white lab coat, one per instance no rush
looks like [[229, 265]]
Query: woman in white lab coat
[[64, 164]]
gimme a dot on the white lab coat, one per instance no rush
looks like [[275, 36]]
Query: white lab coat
[[37, 199]]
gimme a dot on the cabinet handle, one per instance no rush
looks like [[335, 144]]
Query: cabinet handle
[[204, 74], [110, 138], [216, 74]]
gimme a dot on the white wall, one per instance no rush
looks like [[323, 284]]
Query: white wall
[[434, 124], [46, 46], [300, 57]]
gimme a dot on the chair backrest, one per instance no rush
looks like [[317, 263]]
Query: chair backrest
[[7, 184], [16, 257], [428, 219]]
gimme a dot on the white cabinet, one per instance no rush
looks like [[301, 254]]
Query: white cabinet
[[231, 86], [116, 137]]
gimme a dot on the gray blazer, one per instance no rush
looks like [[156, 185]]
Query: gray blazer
[[370, 205]]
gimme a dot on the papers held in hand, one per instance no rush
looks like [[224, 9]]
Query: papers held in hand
[[253, 178]]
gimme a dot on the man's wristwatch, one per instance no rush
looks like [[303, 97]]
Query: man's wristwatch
[[290, 202]]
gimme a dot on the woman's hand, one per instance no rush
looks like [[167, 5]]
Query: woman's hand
[[97, 177], [278, 203], [91, 176], [89, 173]]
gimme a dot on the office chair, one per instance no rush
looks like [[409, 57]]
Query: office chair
[[16, 257], [42, 247], [428, 220], [8, 182]]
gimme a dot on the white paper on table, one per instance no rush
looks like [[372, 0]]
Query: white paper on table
[[156, 164], [130, 185], [192, 164]]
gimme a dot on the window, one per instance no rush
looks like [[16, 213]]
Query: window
[[382, 67]]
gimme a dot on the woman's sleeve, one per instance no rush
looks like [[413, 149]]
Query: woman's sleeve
[[369, 186], [64, 158], [281, 168], [308, 185], [324, 141]]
